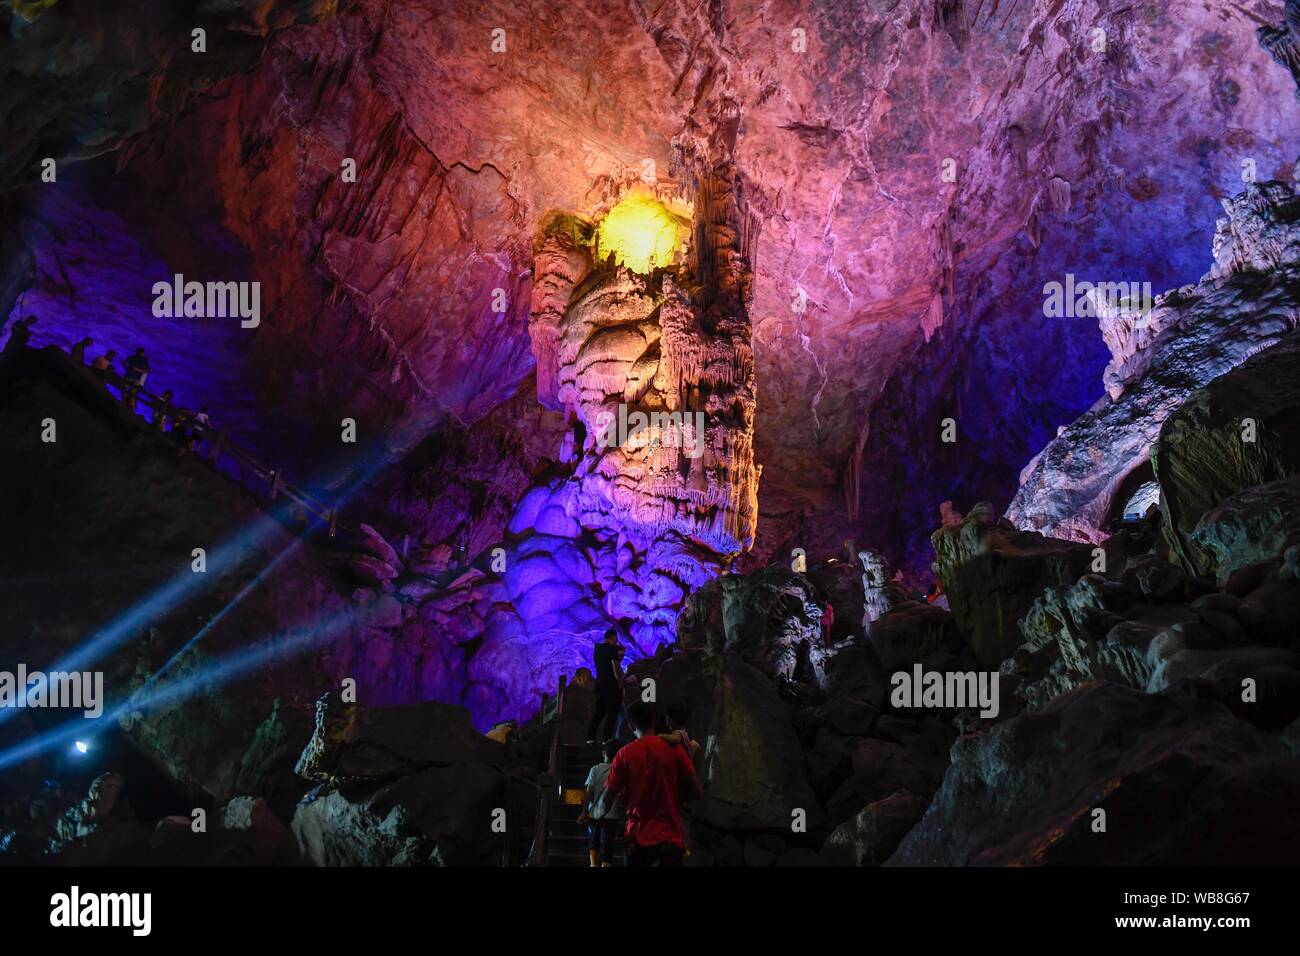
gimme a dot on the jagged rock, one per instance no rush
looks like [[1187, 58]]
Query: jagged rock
[[752, 767], [1283, 42], [378, 545], [352, 743], [871, 837], [771, 618], [993, 573], [1077, 485], [438, 817], [839, 584], [374, 570], [880, 767], [266, 769], [1157, 580], [1203, 457], [915, 632], [1257, 524], [57, 827], [881, 594], [1182, 781], [1103, 629], [98, 805]]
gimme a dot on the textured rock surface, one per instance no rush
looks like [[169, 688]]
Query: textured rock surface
[[752, 768], [771, 618], [993, 572], [1261, 523], [871, 837], [1181, 781], [1077, 485], [1242, 429], [438, 817], [352, 743]]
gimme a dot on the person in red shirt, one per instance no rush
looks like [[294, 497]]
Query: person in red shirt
[[652, 776]]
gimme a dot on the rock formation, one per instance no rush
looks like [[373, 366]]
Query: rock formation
[[1077, 486], [1028, 791], [1241, 430]]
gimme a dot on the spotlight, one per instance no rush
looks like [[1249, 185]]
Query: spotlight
[[81, 747]]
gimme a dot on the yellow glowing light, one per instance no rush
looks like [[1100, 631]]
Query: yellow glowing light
[[641, 232]]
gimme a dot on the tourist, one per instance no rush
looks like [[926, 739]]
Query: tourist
[[137, 370], [653, 777], [20, 332], [183, 431], [78, 351], [105, 362], [601, 810], [609, 688], [161, 416], [676, 715], [828, 619]]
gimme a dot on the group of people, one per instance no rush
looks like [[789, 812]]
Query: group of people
[[187, 426], [639, 786]]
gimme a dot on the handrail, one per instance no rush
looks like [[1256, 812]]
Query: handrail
[[549, 781], [274, 477]]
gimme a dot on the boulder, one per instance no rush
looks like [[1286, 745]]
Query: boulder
[[914, 632], [437, 817], [266, 769], [1257, 524], [1241, 430], [1182, 782], [870, 837], [353, 743], [839, 584], [879, 768], [772, 618], [992, 573], [753, 767]]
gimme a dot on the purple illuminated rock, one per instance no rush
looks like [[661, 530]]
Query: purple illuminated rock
[[1077, 486]]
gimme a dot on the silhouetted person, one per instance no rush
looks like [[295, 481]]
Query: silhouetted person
[[161, 418], [200, 425], [676, 715], [20, 332], [104, 363], [78, 351], [137, 370], [653, 777], [609, 688], [601, 810]]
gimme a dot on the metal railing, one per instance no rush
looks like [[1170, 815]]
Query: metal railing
[[221, 447], [549, 781]]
